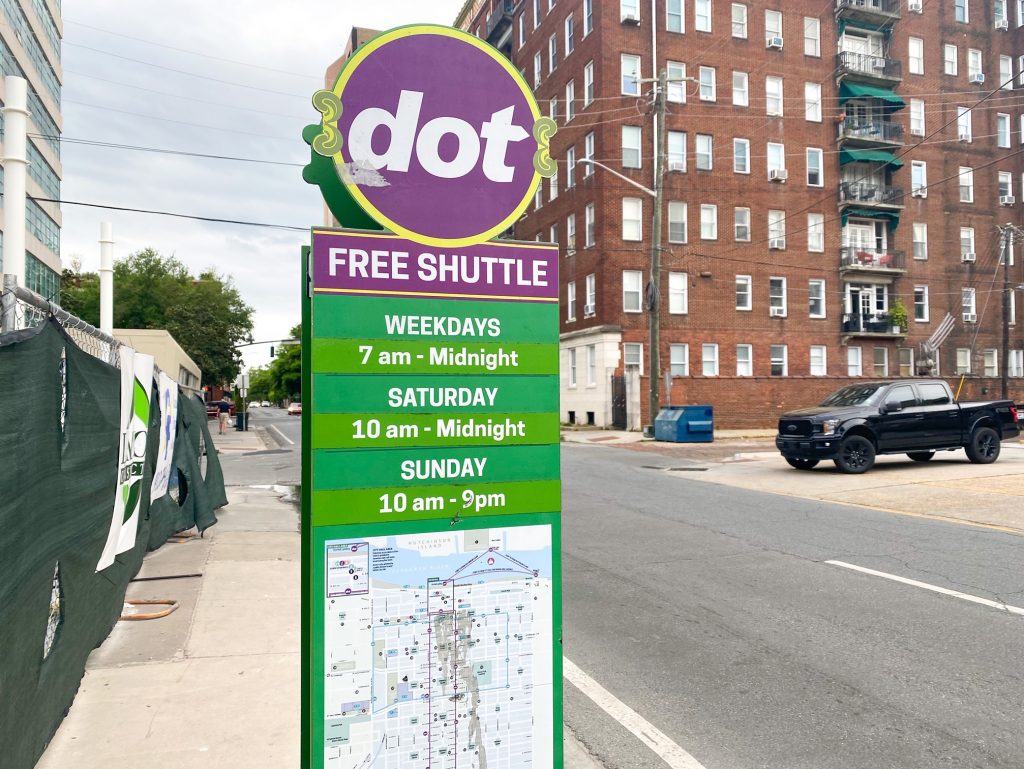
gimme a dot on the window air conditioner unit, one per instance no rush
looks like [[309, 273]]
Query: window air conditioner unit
[[777, 244], [977, 77], [778, 175], [774, 42], [777, 312], [968, 258], [970, 317], [964, 136], [630, 19], [1002, 24], [1006, 200], [588, 309], [919, 192], [676, 165], [915, 6]]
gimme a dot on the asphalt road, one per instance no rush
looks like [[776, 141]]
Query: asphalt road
[[279, 465], [711, 612]]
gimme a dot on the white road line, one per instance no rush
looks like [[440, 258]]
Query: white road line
[[934, 588], [274, 428], [643, 730]]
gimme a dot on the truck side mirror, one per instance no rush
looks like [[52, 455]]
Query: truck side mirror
[[892, 406]]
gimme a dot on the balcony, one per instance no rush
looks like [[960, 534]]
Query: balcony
[[871, 133], [870, 325], [873, 11], [853, 259], [500, 21], [870, 194], [864, 66]]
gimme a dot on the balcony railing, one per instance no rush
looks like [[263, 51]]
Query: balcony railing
[[871, 131], [500, 19], [870, 194], [856, 258], [870, 323], [878, 10], [866, 65]]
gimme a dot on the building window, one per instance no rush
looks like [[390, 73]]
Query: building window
[[776, 157], [588, 153], [680, 359], [739, 20], [812, 102], [572, 367], [676, 72], [818, 364], [949, 59], [537, 67], [591, 365], [678, 293], [963, 360], [906, 355], [676, 222], [570, 35], [915, 59], [674, 15], [744, 360], [632, 216], [968, 304], [881, 361], [630, 146], [536, 13], [741, 156], [918, 178], [854, 362], [921, 304], [964, 131], [570, 301], [591, 304], [920, 240], [917, 117], [552, 53], [677, 151], [538, 198], [570, 234], [553, 186], [772, 24], [588, 84], [814, 166], [588, 17], [960, 11], [553, 108], [633, 355], [777, 225], [740, 89], [966, 185], [702, 15], [974, 63], [629, 9], [632, 290], [703, 152], [570, 168], [816, 232], [773, 95], [1002, 130], [816, 289], [588, 223], [990, 362], [1015, 365], [630, 75], [708, 221], [779, 360], [706, 80], [966, 242], [744, 292], [709, 359], [812, 36], [1006, 72], [522, 30], [1005, 184], [777, 296], [570, 101], [741, 224]]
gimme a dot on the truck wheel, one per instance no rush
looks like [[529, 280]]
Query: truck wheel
[[983, 448], [856, 455], [801, 464], [921, 456]]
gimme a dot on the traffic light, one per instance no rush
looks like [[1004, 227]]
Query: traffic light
[[271, 351]]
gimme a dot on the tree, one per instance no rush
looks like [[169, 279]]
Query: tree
[[205, 314], [282, 378]]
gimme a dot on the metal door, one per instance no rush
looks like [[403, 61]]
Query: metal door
[[619, 402]]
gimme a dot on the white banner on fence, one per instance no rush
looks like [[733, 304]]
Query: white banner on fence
[[168, 430], [136, 384]]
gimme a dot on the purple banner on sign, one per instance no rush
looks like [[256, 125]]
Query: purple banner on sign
[[346, 262]]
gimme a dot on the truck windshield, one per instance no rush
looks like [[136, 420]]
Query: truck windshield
[[854, 395]]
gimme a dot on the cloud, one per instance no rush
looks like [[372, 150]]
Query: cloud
[[132, 88]]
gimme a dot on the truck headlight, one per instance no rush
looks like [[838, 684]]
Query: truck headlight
[[829, 426]]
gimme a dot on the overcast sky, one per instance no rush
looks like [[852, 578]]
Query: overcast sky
[[253, 67]]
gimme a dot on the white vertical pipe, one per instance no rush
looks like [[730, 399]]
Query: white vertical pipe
[[107, 278], [15, 112]]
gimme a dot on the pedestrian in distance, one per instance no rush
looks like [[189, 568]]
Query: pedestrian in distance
[[223, 413]]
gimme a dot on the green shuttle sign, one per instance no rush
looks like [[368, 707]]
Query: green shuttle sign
[[431, 485]]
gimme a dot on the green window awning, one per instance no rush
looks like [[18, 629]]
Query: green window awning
[[869, 156], [893, 217], [848, 90], [885, 27]]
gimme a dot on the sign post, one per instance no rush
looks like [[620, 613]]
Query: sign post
[[431, 482]]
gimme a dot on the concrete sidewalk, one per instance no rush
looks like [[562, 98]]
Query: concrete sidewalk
[[215, 685]]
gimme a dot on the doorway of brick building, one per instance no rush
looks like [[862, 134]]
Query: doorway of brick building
[[618, 402]]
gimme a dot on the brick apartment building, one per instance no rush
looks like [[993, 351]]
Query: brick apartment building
[[825, 162]]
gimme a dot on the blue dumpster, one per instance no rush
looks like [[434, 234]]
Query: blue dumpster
[[685, 424]]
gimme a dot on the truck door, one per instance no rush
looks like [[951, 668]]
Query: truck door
[[942, 424], [900, 429]]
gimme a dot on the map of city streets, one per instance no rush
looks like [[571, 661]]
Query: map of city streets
[[437, 650]]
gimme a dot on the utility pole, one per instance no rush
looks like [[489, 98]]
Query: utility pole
[[1006, 244], [654, 294]]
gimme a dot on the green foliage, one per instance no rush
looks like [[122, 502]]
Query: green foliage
[[898, 314], [205, 314], [282, 378]]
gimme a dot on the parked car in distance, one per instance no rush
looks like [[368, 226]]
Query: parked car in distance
[[295, 409], [912, 417], [264, 403], [211, 410]]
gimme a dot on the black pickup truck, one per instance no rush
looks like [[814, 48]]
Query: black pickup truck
[[912, 417]]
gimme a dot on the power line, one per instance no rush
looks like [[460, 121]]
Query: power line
[[162, 151]]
